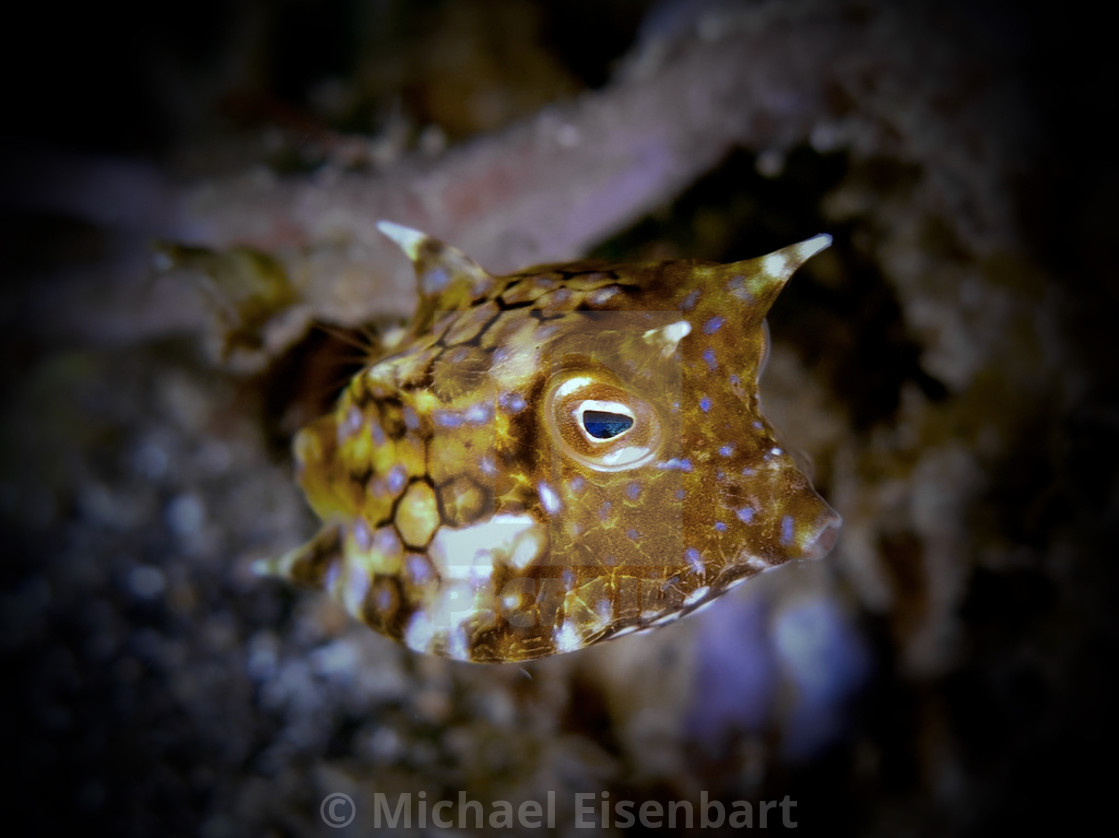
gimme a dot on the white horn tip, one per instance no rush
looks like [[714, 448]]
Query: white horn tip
[[807, 249], [781, 263], [408, 239]]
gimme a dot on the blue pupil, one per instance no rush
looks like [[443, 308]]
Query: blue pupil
[[603, 425]]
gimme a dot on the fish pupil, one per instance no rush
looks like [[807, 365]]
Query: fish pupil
[[603, 425]]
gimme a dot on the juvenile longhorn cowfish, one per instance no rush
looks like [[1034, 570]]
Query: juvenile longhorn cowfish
[[557, 457]]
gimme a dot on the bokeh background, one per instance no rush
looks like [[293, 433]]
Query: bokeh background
[[188, 197]]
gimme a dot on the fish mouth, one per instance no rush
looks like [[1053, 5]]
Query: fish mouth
[[820, 543]]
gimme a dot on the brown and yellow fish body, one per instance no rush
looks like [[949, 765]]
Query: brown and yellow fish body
[[564, 455]]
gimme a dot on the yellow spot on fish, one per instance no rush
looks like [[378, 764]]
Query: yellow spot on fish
[[417, 516]]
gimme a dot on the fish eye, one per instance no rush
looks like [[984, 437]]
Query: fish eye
[[604, 420], [601, 424]]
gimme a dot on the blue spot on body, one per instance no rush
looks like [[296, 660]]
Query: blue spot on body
[[632, 534], [714, 324], [737, 287], [788, 534], [720, 526], [603, 294], [377, 432], [726, 450], [384, 598], [709, 357], [386, 541], [633, 490], [397, 478], [448, 418], [689, 301], [436, 279], [705, 403], [513, 402], [478, 414], [419, 570], [694, 559], [745, 514]]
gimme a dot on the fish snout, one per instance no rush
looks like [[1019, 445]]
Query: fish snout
[[820, 540]]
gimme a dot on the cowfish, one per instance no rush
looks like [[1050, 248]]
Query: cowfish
[[564, 455]]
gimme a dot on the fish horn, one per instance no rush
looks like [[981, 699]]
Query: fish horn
[[447, 278], [758, 281]]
